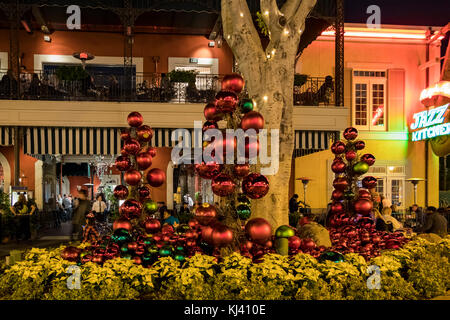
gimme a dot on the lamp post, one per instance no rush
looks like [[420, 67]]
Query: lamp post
[[83, 56], [305, 182], [415, 182]]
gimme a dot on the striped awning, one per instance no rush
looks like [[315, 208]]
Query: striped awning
[[6, 136], [307, 141], [93, 141]]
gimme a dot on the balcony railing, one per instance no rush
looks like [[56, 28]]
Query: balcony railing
[[145, 87]]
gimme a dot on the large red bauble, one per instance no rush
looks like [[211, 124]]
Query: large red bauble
[[130, 209], [132, 177], [167, 229], [207, 233], [294, 242], [132, 146], [233, 82], [144, 133], [120, 192], [122, 223], [135, 119], [338, 166], [337, 207], [70, 253], [125, 134], [338, 147], [369, 182], [337, 195], [241, 170], [212, 113], [363, 206], [123, 163], [258, 230], [350, 155], [123, 152], [205, 214], [152, 151], [193, 223], [252, 120], [308, 244], [144, 160], [255, 186], [340, 183], [144, 192], [359, 145], [350, 133], [209, 125], [156, 177], [226, 101], [208, 170], [222, 185], [221, 235], [368, 158], [364, 194]]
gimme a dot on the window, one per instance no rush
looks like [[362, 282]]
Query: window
[[369, 99]]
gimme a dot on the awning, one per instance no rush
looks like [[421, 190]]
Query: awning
[[91, 141], [307, 141], [6, 136]]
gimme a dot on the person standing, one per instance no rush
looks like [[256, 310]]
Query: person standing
[[435, 222], [23, 213], [293, 204], [99, 207], [79, 215]]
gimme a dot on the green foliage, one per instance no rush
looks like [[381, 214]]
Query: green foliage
[[418, 271], [71, 73], [182, 76], [261, 24]]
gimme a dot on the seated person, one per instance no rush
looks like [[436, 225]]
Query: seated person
[[170, 219], [381, 224], [435, 222], [388, 218]]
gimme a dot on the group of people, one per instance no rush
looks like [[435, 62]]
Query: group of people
[[23, 210]]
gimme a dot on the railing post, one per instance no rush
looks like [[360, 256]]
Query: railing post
[[339, 54]]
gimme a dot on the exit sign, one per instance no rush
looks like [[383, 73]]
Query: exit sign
[[193, 60]]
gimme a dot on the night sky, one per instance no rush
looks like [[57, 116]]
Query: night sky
[[401, 12]]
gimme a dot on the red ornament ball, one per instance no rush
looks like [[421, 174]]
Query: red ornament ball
[[337, 195], [212, 113], [308, 244], [144, 160], [223, 185], [123, 163], [221, 235], [156, 177], [123, 152], [152, 151], [350, 133], [258, 230], [207, 234], [144, 192], [130, 209], [368, 158], [122, 223], [233, 82], [120, 192], [135, 119], [226, 101], [144, 133], [241, 170], [132, 146], [294, 242], [338, 166], [363, 206], [369, 182], [359, 145], [208, 170], [255, 186], [340, 183], [337, 207], [364, 194], [209, 125], [252, 120], [205, 214], [125, 134], [152, 225], [338, 147], [350, 155], [71, 253], [132, 177]]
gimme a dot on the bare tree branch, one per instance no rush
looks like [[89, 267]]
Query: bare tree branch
[[272, 16], [298, 19], [290, 7]]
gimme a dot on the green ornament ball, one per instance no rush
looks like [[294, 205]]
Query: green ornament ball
[[246, 105], [331, 256], [150, 206], [243, 211], [284, 232], [153, 249], [124, 249], [165, 251], [121, 235], [180, 257], [360, 168], [179, 248], [242, 199], [349, 195], [127, 256]]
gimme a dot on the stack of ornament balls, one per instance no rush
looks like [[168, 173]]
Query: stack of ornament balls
[[226, 181], [351, 226]]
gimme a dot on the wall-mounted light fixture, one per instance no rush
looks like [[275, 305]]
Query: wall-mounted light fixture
[[47, 38], [211, 44]]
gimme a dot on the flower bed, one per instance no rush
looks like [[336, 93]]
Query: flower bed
[[420, 270]]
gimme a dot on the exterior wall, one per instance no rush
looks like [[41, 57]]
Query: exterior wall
[[26, 164], [111, 44]]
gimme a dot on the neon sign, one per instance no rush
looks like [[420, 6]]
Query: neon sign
[[378, 114], [439, 89], [431, 123]]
